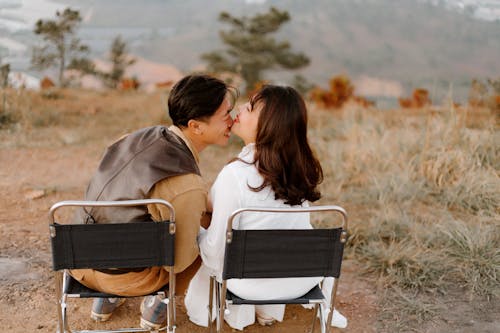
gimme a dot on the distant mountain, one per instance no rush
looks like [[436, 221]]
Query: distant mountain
[[482, 9], [413, 43]]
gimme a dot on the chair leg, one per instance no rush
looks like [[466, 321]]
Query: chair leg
[[210, 303], [322, 320], [60, 324], [171, 316], [222, 305], [218, 324], [315, 315], [61, 317], [168, 310], [331, 306]]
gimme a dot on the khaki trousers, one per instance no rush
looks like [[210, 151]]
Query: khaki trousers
[[135, 283]]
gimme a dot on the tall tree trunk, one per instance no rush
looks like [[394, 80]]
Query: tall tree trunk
[[62, 64]]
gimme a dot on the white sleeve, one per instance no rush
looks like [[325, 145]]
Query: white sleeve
[[226, 198]]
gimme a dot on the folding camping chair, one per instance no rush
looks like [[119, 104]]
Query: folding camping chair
[[281, 253], [111, 246]]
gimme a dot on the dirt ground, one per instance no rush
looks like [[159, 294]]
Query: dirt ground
[[31, 180]]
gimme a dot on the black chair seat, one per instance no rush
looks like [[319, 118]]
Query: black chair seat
[[315, 295], [73, 288]]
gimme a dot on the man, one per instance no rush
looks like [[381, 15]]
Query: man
[[159, 162]]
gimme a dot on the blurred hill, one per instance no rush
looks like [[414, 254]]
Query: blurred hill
[[405, 43]]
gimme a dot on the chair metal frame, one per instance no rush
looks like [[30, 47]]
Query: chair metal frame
[[220, 288], [64, 280]]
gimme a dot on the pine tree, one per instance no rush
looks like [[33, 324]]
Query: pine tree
[[4, 82], [4, 75], [250, 50], [120, 60], [62, 49]]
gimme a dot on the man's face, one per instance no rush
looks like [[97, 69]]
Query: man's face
[[217, 129]]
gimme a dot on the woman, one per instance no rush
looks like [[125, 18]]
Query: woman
[[276, 168]]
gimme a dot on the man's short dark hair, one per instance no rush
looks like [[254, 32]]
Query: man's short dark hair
[[195, 97]]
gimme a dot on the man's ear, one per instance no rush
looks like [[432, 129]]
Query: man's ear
[[195, 126]]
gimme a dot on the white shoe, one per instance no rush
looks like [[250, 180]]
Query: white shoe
[[338, 320], [265, 320]]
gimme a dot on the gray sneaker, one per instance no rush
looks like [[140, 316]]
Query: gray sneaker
[[103, 308], [153, 313]]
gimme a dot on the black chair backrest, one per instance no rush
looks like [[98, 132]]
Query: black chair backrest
[[117, 245], [284, 253]]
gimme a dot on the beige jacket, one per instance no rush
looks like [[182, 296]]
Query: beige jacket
[[188, 194]]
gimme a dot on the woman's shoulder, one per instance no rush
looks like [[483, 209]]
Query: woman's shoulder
[[237, 167]]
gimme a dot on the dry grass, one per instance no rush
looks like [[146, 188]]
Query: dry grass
[[80, 117], [422, 187], [423, 191], [474, 254]]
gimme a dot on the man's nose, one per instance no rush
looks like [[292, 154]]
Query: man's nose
[[236, 111]]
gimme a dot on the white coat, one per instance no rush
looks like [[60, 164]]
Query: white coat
[[230, 192]]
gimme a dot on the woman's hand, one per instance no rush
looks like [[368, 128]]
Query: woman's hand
[[206, 218]]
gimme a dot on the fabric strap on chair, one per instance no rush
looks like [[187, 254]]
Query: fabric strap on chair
[[101, 246], [75, 289], [315, 295], [283, 253]]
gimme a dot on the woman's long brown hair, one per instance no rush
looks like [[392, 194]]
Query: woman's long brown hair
[[282, 153]]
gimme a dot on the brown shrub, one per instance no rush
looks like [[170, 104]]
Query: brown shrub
[[421, 97], [341, 90], [129, 84], [46, 83], [360, 100], [418, 99], [405, 102], [165, 84]]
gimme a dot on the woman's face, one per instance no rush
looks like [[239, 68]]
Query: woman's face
[[245, 123]]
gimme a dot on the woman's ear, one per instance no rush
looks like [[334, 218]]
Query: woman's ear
[[195, 127]]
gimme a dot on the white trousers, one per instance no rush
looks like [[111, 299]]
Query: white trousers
[[239, 316]]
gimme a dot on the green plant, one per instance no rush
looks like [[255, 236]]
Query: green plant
[[250, 48], [62, 48], [120, 60], [4, 82]]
